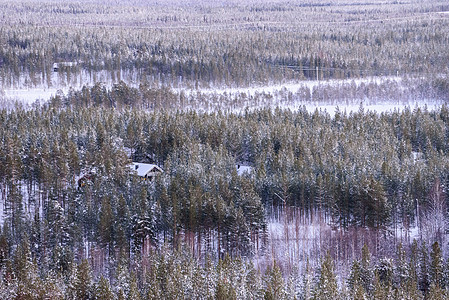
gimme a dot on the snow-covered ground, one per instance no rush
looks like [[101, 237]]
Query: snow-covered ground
[[280, 93], [284, 96], [295, 86], [27, 91]]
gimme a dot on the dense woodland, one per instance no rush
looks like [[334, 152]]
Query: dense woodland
[[362, 170], [334, 205], [209, 44]]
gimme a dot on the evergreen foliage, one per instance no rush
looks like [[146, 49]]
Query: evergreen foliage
[[77, 223]]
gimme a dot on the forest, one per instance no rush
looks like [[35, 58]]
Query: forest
[[260, 197]]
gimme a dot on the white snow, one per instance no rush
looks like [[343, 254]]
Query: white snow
[[242, 170], [29, 95], [283, 96], [27, 90], [143, 169], [294, 86]]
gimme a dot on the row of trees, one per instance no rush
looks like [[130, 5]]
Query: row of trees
[[151, 97], [177, 275]]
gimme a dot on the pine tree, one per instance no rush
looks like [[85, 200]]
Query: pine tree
[[424, 269], [14, 213], [307, 292], [253, 282], [134, 293], [26, 272], [446, 274], [385, 270], [436, 266], [105, 226], [380, 291], [402, 268], [4, 247], [436, 293], [354, 280], [366, 272], [82, 285], [123, 280], [103, 290], [327, 288], [225, 291], [122, 225], [274, 283], [413, 265]]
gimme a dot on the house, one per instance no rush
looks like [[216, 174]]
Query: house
[[86, 177], [64, 64], [145, 171], [242, 170]]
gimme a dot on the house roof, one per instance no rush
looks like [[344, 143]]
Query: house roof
[[241, 170], [143, 169]]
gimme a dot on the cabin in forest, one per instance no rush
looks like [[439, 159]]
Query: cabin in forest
[[86, 177], [62, 65], [242, 170], [146, 171]]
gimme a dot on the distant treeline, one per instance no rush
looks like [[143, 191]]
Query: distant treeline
[[150, 97], [241, 45]]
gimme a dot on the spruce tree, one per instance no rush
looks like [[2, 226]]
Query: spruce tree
[[327, 288], [366, 272], [103, 290], [424, 281], [436, 266], [83, 288], [274, 283], [105, 226], [134, 293]]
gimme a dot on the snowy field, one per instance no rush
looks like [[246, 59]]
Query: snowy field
[[26, 90], [284, 96]]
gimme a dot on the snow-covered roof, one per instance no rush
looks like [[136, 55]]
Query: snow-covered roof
[[243, 169], [65, 64], [143, 169]]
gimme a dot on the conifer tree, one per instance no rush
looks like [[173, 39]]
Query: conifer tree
[[122, 225], [327, 288], [424, 281], [445, 274], [384, 271], [436, 271], [354, 280], [413, 264], [103, 290], [134, 293], [307, 292], [105, 226], [4, 247], [402, 267], [82, 285], [436, 293], [29, 284], [366, 272], [381, 291], [253, 282], [274, 283]]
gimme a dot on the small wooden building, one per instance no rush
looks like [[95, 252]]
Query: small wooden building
[[63, 65], [146, 171]]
